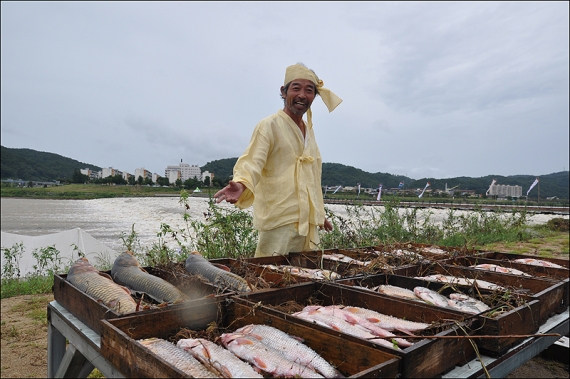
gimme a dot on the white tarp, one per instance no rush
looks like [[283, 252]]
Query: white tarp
[[94, 250]]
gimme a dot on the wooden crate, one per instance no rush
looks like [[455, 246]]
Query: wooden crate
[[522, 319], [120, 347], [425, 358], [90, 311], [553, 296]]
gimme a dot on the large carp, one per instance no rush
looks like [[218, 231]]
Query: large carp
[[128, 272], [101, 287], [196, 264]]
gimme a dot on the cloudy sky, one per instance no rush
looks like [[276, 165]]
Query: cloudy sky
[[438, 89]]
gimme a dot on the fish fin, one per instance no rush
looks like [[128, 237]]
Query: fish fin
[[243, 341], [405, 331], [259, 362], [373, 319]]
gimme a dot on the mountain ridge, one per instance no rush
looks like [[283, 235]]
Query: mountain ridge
[[29, 164]]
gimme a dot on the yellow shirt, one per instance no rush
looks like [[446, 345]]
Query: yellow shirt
[[282, 175]]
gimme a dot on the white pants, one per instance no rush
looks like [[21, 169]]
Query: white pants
[[286, 239]]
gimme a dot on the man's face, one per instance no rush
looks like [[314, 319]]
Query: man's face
[[299, 97]]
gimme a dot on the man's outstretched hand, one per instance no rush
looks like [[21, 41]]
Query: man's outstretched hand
[[230, 193]]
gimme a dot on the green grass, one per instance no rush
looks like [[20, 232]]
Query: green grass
[[92, 191]]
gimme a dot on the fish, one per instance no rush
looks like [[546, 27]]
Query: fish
[[431, 297], [433, 250], [101, 287], [128, 272], [311, 273], [338, 311], [538, 262], [343, 258], [481, 306], [264, 357], [177, 357], [399, 292], [338, 324], [396, 322], [463, 306], [217, 358], [291, 347], [497, 268], [196, 264], [461, 281]]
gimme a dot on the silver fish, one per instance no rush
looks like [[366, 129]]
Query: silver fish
[[481, 306], [217, 358], [346, 259], [354, 319], [128, 272], [463, 306], [328, 321], [402, 293], [396, 322], [291, 348], [264, 357], [177, 357], [431, 297], [196, 264], [461, 281], [311, 273], [101, 287], [501, 269], [538, 262]]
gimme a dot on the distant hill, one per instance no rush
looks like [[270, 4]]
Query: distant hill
[[334, 174], [27, 164]]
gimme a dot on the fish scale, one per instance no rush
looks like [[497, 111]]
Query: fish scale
[[177, 357], [101, 287], [222, 360], [196, 264], [127, 271]]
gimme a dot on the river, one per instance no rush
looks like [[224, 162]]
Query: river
[[107, 219]]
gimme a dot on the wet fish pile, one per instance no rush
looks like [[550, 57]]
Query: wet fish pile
[[461, 281], [362, 323], [248, 352], [310, 273], [101, 287], [457, 301], [497, 268], [538, 262], [196, 264]]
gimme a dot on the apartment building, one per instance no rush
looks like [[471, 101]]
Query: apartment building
[[503, 190]]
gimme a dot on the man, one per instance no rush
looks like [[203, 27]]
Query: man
[[280, 171]]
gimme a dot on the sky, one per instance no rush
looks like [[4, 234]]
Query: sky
[[429, 89]]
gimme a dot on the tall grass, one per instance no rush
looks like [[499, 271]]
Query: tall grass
[[229, 233]]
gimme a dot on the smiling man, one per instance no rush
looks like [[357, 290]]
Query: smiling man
[[280, 171]]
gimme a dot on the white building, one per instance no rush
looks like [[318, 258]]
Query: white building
[[142, 172], [110, 171], [185, 172]]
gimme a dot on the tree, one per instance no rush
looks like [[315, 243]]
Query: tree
[[161, 181], [207, 181], [78, 177], [140, 180], [148, 181], [131, 180], [178, 182]]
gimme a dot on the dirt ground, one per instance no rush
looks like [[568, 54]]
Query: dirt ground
[[24, 342]]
